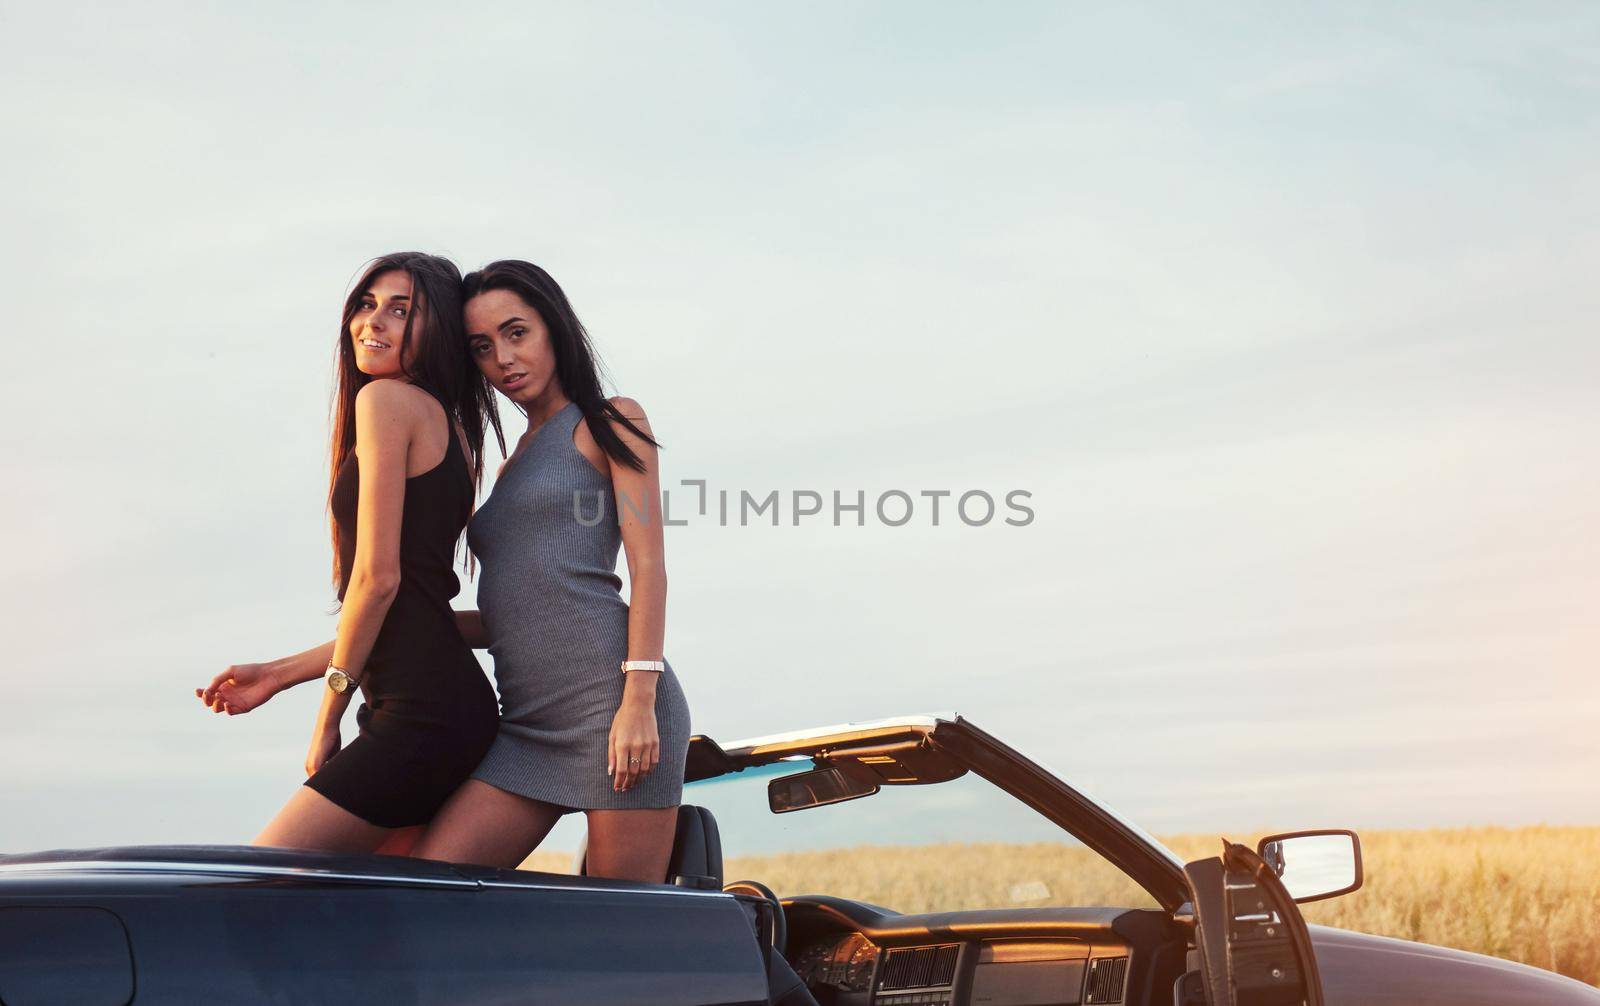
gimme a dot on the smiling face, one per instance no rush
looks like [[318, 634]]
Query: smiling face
[[511, 346], [378, 326]]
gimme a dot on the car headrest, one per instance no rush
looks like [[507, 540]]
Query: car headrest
[[696, 851], [696, 848]]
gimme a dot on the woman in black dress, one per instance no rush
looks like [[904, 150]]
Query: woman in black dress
[[409, 418]]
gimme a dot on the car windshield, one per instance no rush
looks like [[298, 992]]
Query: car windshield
[[945, 846]]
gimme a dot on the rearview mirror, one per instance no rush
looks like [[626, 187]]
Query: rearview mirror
[[1314, 865], [816, 789]]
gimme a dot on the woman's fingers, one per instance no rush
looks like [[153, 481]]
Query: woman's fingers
[[217, 682], [627, 766], [210, 695], [614, 762], [634, 760], [630, 754]]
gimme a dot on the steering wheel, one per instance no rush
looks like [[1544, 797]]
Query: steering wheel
[[756, 889]]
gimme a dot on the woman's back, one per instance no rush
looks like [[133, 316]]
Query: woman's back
[[438, 503], [429, 713]]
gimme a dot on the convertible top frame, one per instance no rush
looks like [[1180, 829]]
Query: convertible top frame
[[1097, 826]]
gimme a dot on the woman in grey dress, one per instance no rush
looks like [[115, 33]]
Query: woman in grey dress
[[592, 716]]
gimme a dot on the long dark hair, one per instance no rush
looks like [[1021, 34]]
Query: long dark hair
[[441, 366], [577, 367]]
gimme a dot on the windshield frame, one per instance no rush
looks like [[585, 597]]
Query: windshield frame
[[1125, 845]]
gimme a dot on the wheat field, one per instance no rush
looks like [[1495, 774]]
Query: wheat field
[[1525, 894]]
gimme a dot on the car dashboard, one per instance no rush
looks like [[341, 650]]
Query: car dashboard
[[854, 954]]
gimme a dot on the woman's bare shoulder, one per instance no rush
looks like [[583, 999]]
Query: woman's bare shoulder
[[627, 406], [389, 407], [387, 393], [633, 411]]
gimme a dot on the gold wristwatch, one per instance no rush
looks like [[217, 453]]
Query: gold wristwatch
[[339, 679]]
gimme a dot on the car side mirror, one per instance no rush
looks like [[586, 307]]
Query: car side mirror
[[1314, 865], [817, 788]]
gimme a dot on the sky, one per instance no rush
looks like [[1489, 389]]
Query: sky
[[1278, 316]]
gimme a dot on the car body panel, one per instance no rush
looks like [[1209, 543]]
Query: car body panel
[[1359, 969], [64, 953], [221, 924]]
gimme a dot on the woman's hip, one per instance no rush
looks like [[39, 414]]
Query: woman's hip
[[551, 693]]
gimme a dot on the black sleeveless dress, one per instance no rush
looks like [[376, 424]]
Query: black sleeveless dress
[[430, 713]]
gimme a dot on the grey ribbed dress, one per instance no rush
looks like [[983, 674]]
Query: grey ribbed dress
[[546, 541]]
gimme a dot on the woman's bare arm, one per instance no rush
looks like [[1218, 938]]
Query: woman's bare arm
[[243, 687], [638, 501], [639, 516], [386, 416]]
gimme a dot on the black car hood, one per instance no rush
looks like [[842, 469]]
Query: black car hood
[[1363, 970]]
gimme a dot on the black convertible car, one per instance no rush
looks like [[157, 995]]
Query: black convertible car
[[1049, 898]]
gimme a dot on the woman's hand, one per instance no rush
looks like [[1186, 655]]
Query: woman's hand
[[635, 746], [324, 745], [240, 689]]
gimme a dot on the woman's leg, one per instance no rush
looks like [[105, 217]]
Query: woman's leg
[[631, 844], [311, 821], [487, 826], [400, 841]]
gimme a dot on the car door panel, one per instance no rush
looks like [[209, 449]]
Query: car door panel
[[278, 940]]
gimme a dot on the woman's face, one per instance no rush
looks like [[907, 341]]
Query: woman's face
[[510, 344], [379, 324]]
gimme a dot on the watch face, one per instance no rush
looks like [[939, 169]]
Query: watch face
[[339, 682]]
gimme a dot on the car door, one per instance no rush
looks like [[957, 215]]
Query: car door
[[426, 934], [1251, 943]]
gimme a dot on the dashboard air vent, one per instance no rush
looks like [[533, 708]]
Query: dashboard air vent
[[919, 967], [1105, 979]]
